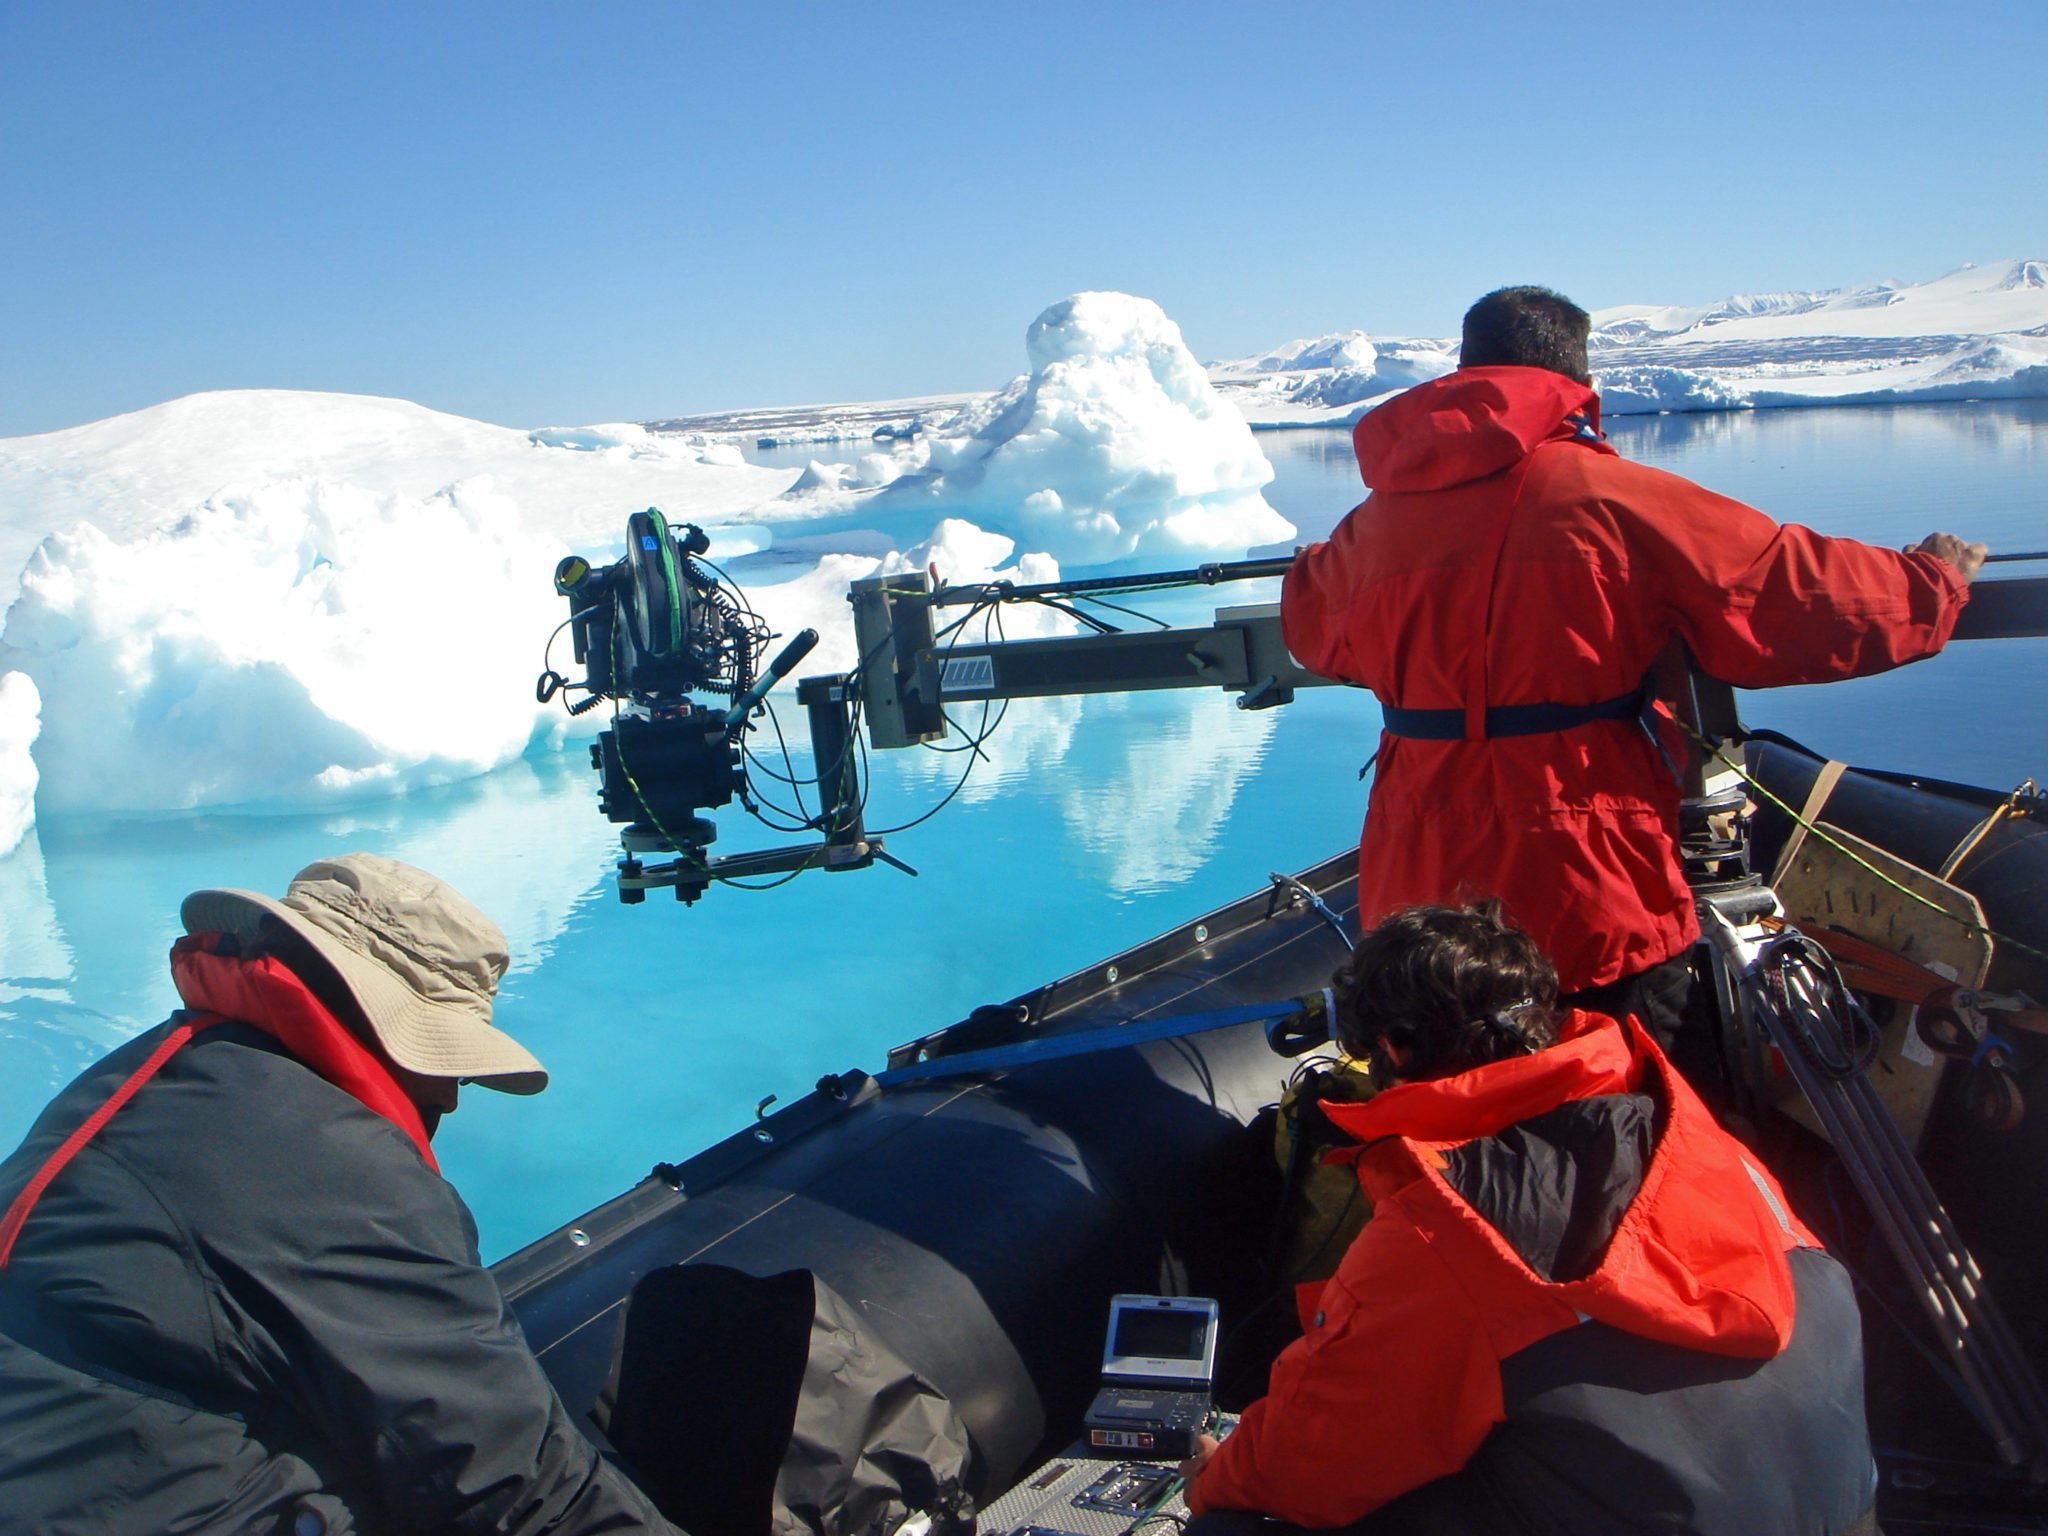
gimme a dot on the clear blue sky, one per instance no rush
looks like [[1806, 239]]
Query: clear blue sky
[[556, 213]]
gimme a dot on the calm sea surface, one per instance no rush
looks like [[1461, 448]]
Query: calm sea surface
[[1098, 823]]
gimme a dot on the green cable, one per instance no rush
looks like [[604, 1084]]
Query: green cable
[[1718, 754]]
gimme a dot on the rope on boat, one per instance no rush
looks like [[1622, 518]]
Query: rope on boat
[[2027, 789]]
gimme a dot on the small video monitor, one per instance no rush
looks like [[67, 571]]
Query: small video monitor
[[1157, 1364], [1161, 1338]]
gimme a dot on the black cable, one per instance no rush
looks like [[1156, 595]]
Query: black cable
[[547, 651], [561, 687], [1153, 619], [1100, 626], [750, 759], [1180, 1521], [958, 785], [738, 634], [972, 745], [744, 625], [768, 885]]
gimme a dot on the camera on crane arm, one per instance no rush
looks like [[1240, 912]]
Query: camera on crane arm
[[652, 630], [660, 626]]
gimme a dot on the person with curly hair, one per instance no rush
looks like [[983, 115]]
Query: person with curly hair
[[1579, 1304]]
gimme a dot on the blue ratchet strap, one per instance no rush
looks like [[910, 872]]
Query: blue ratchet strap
[[1083, 1042]]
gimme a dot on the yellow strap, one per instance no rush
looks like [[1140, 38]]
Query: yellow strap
[[1824, 784]]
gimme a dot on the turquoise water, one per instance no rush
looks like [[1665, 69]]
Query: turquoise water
[[1098, 823]]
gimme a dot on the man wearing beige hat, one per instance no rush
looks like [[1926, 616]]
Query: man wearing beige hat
[[236, 1294]]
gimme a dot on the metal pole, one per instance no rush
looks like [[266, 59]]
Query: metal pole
[[1999, 1382], [1199, 576]]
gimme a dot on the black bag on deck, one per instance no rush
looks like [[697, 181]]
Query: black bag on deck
[[764, 1407]]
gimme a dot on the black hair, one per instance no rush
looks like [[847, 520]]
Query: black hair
[[1446, 989], [1527, 328]]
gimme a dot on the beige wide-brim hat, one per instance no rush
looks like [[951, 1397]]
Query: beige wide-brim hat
[[421, 962]]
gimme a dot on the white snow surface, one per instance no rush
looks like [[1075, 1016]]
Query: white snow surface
[[1981, 332], [1972, 300], [132, 475], [285, 598], [1115, 444]]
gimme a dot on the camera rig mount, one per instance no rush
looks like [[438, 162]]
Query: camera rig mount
[[654, 630]]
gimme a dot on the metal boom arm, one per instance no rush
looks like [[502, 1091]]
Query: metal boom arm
[[907, 677]]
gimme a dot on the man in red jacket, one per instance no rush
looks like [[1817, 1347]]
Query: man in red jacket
[[1505, 589], [1579, 1304]]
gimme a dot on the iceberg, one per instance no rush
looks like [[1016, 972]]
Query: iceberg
[[1329, 380], [1115, 444], [1642, 391], [280, 598]]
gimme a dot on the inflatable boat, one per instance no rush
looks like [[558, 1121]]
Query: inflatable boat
[[969, 1206]]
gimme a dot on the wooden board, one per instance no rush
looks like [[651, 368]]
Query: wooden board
[[1821, 886]]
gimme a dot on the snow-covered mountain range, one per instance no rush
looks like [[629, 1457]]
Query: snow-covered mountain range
[[1981, 332]]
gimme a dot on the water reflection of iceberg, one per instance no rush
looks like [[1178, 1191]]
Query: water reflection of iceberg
[[525, 842], [1153, 802], [83, 937], [33, 954], [1144, 782], [45, 1038], [1018, 742]]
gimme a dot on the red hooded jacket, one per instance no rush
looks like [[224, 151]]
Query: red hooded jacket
[[1399, 1377], [1507, 556]]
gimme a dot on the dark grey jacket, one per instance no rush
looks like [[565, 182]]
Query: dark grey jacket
[[249, 1305]]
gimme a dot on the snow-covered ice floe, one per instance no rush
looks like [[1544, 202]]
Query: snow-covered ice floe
[[286, 598]]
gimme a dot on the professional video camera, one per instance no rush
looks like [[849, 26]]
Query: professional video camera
[[661, 625], [651, 630]]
